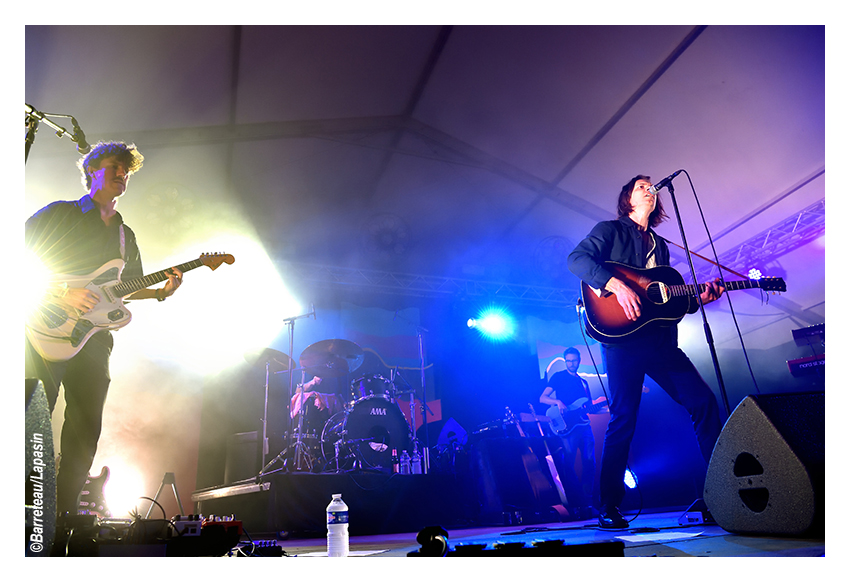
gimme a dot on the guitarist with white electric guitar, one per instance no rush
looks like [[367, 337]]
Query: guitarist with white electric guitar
[[568, 397], [96, 266], [615, 263]]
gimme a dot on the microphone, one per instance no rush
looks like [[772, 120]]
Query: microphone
[[665, 182], [313, 309], [80, 138]]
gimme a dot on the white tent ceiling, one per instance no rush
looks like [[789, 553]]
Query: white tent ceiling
[[474, 152]]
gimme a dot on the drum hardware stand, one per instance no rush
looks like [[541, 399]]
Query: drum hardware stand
[[290, 321], [266, 418], [268, 357], [425, 410], [336, 455], [426, 462], [298, 447], [299, 443]]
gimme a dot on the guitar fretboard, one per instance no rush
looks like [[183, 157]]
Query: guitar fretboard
[[133, 285], [686, 290]]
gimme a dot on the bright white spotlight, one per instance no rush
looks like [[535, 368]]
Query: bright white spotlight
[[215, 317], [124, 488], [494, 323], [38, 279]]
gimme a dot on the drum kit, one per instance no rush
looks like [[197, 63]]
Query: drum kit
[[365, 423]]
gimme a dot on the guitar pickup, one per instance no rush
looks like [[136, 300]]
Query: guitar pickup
[[115, 315]]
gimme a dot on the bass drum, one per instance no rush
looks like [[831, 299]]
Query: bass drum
[[364, 436]]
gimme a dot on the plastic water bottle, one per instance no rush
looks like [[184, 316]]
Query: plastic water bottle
[[337, 527], [415, 462], [405, 463]]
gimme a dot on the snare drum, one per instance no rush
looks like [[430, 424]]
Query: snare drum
[[367, 433], [371, 385]]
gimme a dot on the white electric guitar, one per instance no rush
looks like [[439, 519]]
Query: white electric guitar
[[58, 335]]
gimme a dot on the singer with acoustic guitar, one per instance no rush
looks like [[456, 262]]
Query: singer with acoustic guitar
[[76, 238], [650, 348]]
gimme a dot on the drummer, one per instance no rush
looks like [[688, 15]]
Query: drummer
[[316, 406]]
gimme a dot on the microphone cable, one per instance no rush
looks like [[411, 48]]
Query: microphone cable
[[723, 282]]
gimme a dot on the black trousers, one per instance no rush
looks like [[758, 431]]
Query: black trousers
[[655, 355], [85, 378]]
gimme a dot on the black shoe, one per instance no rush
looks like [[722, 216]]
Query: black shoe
[[611, 518]]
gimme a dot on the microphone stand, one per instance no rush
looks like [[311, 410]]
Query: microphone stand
[[31, 123], [34, 117], [699, 503], [708, 336]]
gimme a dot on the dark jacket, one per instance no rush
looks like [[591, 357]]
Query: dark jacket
[[70, 238], [612, 240]]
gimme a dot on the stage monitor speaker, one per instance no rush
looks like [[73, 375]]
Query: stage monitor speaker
[[766, 474], [40, 476]]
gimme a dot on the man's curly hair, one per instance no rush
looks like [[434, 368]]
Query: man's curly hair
[[127, 154]]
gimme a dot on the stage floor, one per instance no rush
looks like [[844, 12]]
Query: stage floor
[[656, 534]]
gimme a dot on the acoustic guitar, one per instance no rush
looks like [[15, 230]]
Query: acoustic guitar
[[664, 300]]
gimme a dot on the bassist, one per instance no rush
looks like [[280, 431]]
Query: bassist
[[77, 237], [563, 389], [651, 351]]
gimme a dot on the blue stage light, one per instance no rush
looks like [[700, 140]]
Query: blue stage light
[[630, 479], [494, 323]]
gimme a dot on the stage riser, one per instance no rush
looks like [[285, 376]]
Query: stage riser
[[378, 504]]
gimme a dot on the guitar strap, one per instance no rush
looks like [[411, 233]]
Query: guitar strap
[[121, 240], [707, 259], [650, 256]]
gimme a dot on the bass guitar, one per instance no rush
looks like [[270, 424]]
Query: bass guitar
[[664, 299], [59, 333], [575, 415]]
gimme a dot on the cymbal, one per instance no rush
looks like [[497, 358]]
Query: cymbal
[[331, 358], [277, 361]]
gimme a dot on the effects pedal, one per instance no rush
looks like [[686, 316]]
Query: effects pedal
[[224, 522], [187, 525]]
